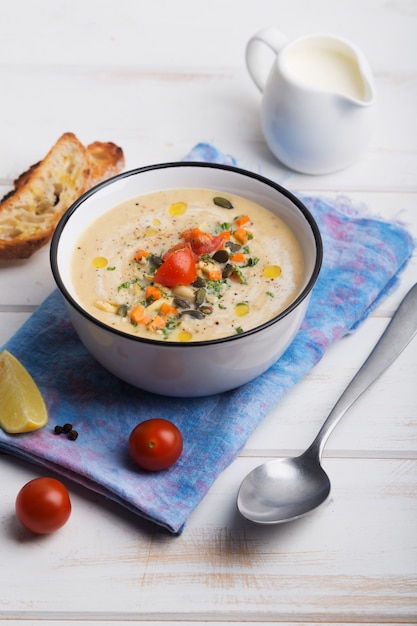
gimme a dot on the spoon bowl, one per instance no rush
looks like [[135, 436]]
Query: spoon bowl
[[285, 489]]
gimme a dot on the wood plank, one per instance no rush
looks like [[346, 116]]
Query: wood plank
[[168, 99], [150, 78], [153, 36], [381, 423], [363, 568]]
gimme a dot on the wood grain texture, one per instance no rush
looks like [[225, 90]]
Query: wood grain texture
[[151, 78], [224, 568]]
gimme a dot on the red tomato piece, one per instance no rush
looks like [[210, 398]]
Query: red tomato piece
[[179, 246], [201, 242], [43, 505], [155, 444], [178, 268]]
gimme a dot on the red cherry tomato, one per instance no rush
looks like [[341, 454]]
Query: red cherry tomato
[[43, 505], [178, 268], [155, 444], [201, 242], [180, 246]]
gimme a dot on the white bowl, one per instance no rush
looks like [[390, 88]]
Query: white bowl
[[193, 368]]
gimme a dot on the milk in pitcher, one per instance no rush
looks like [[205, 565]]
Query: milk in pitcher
[[314, 65]]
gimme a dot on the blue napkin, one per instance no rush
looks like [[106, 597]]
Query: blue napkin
[[363, 258]]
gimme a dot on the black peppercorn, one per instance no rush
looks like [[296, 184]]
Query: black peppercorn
[[72, 435], [58, 430], [66, 428]]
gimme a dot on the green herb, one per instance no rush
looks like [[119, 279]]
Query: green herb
[[238, 272], [111, 269], [251, 262], [215, 287], [220, 228], [270, 294], [239, 330], [127, 284], [172, 323]]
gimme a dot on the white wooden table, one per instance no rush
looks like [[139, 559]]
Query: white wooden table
[[156, 78]]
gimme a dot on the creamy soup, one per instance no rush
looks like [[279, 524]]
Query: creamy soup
[[187, 265]]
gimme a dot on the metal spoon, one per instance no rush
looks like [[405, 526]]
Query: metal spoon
[[285, 489]]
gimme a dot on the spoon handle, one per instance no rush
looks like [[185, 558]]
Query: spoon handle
[[399, 332]]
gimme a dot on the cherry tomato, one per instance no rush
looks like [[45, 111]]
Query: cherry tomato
[[201, 242], [178, 268], [180, 246], [43, 505], [155, 444]]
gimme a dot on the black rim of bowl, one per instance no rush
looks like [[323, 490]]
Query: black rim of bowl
[[199, 164]]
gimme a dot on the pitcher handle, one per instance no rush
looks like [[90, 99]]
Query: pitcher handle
[[255, 58]]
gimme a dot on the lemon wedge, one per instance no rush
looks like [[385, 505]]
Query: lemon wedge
[[22, 407]]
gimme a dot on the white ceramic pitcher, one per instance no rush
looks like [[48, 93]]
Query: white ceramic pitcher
[[317, 109]]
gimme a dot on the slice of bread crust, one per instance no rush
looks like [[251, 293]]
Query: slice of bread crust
[[42, 194], [105, 160]]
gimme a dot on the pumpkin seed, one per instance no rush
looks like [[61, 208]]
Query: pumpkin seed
[[200, 296], [227, 270], [198, 315], [181, 303], [206, 309], [223, 202], [221, 256], [233, 247], [122, 310], [155, 260], [199, 282]]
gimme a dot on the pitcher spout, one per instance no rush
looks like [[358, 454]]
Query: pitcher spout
[[364, 80]]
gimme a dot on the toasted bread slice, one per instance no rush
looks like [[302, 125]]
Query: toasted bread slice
[[105, 160], [30, 212]]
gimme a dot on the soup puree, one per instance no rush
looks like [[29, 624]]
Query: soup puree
[[187, 265]]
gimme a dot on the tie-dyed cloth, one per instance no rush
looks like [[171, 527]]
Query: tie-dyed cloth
[[362, 260]]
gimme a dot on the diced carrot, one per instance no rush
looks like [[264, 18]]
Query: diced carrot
[[239, 257], [225, 235], [157, 322], [244, 219], [241, 235], [167, 309], [140, 254], [145, 320], [137, 313], [214, 273], [152, 293]]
